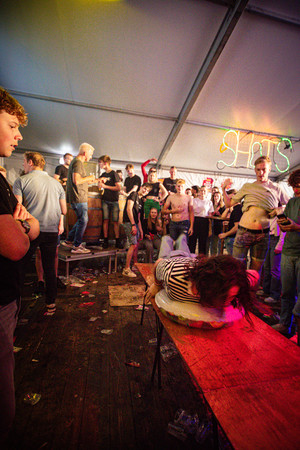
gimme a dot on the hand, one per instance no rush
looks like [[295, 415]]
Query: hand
[[133, 230], [60, 228], [293, 226], [190, 232], [154, 160], [276, 211], [227, 182], [21, 213], [222, 236], [151, 292]]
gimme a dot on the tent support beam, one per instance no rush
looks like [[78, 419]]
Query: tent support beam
[[230, 20]]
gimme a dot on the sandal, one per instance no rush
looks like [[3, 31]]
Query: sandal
[[50, 309]]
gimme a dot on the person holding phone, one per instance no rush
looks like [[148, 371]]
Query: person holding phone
[[290, 258]]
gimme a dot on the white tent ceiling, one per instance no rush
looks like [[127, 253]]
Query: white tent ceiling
[[157, 78]]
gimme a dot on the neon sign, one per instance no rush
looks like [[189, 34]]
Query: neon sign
[[251, 150]]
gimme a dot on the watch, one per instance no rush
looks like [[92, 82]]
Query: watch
[[25, 225]]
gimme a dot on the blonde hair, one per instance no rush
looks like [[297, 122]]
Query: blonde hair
[[180, 181], [85, 147], [262, 159]]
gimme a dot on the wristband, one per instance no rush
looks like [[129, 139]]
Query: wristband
[[133, 225]]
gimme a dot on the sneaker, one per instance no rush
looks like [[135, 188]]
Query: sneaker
[[80, 249], [67, 244], [40, 288], [261, 292], [280, 328], [128, 273], [270, 300]]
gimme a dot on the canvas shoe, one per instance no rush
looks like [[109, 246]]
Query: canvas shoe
[[80, 250], [270, 300], [67, 244], [128, 273]]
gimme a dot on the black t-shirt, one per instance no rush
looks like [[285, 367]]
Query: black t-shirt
[[218, 224], [146, 229], [9, 270], [170, 185], [135, 209], [154, 191], [132, 181], [62, 171], [235, 217], [110, 196]]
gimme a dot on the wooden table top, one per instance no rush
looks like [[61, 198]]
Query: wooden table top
[[249, 375]]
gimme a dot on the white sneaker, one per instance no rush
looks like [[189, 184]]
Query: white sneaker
[[270, 300], [128, 273], [67, 244], [80, 249]]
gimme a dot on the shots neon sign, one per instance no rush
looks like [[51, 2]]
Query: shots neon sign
[[253, 149]]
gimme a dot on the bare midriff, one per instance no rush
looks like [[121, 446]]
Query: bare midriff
[[255, 218]]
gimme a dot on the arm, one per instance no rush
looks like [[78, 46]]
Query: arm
[[57, 177], [278, 248], [130, 204], [116, 187], [61, 225], [143, 167], [63, 206], [230, 232], [78, 179], [191, 214], [21, 213], [228, 201], [164, 192], [155, 287], [14, 243]]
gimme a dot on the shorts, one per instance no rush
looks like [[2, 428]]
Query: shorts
[[133, 240], [246, 239], [110, 206]]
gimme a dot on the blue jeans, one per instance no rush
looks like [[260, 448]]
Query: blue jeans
[[77, 232], [272, 282], [290, 279], [176, 228], [228, 242]]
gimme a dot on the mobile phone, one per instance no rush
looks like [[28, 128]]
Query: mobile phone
[[282, 216]]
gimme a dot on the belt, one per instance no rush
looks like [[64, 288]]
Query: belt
[[265, 230]]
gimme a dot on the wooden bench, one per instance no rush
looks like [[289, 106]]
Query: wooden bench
[[249, 377]]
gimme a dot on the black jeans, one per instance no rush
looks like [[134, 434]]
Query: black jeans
[[47, 243]]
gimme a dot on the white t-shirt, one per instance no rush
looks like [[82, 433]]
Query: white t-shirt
[[202, 207]]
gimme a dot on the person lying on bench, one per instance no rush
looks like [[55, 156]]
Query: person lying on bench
[[214, 282]]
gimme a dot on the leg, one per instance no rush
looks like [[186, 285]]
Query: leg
[[81, 210], [8, 321], [48, 248], [241, 245], [181, 245], [259, 250], [148, 245], [203, 235], [39, 265], [289, 281], [115, 218], [167, 246]]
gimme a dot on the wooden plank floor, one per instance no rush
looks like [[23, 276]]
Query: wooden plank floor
[[89, 398]]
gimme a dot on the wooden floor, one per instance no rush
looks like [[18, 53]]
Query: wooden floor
[[89, 398]]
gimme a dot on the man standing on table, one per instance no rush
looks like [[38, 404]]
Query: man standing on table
[[132, 181], [45, 199], [261, 201], [77, 196], [181, 210], [110, 182], [17, 229]]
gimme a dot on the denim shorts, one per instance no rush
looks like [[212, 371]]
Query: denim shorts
[[133, 240], [246, 239], [110, 206]]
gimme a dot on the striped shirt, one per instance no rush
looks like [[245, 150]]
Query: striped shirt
[[173, 273]]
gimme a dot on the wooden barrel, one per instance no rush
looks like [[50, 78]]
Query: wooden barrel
[[93, 230]]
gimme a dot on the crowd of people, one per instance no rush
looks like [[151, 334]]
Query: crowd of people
[[176, 221]]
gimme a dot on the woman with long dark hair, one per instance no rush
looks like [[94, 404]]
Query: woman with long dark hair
[[152, 231]]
